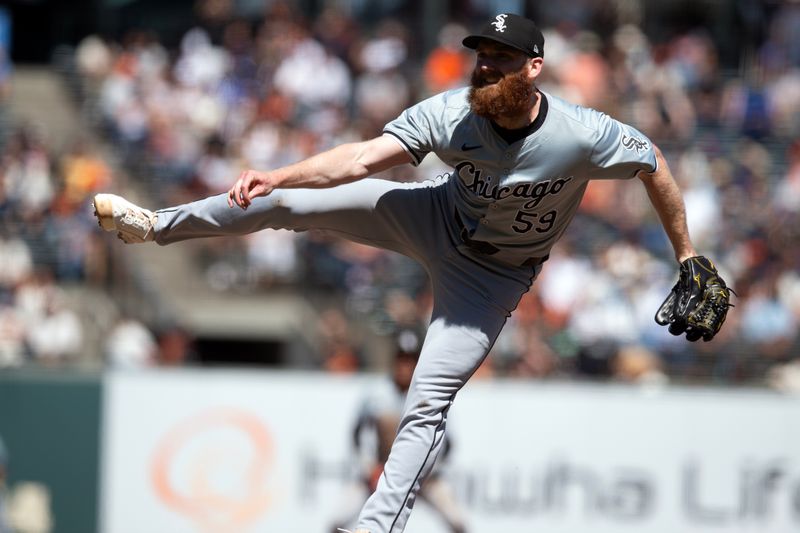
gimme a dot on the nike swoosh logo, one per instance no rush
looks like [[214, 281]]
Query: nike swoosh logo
[[465, 148]]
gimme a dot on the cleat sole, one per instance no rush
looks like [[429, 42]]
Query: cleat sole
[[104, 211]]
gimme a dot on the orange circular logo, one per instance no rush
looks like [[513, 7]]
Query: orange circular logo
[[213, 468]]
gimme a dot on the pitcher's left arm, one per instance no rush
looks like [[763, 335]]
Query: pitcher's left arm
[[668, 202]]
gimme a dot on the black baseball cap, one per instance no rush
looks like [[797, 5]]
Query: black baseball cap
[[512, 30]]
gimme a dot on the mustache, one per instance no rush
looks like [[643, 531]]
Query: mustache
[[480, 78]]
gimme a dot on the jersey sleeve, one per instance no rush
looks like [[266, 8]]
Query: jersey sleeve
[[621, 151], [419, 127]]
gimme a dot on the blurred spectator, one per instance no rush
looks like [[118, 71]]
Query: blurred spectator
[[583, 74], [12, 337], [175, 346], [663, 108], [787, 287], [213, 15], [274, 257], [308, 60], [535, 358], [29, 508], [215, 168], [84, 174], [637, 364], [448, 65], [53, 331], [703, 209], [130, 345], [339, 356], [382, 91], [767, 324], [93, 58], [785, 377], [56, 334], [16, 263], [787, 192], [202, 64], [595, 359], [27, 178]]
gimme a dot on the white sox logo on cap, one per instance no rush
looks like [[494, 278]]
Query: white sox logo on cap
[[500, 23], [511, 30]]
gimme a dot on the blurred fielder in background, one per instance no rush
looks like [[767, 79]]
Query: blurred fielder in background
[[380, 415], [522, 159]]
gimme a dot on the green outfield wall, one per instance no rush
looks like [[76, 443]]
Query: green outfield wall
[[50, 425]]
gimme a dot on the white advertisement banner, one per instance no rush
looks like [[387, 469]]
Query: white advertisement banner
[[245, 452]]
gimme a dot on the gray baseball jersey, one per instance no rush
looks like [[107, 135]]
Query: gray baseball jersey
[[481, 234], [521, 197]]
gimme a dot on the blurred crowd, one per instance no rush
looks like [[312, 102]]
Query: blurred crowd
[[47, 239], [261, 92]]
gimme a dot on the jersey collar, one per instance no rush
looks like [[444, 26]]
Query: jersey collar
[[512, 136]]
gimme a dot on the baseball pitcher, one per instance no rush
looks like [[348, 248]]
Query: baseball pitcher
[[522, 159]]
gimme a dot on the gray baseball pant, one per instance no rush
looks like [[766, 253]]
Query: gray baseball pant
[[472, 298]]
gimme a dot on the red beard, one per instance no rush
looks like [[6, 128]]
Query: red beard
[[510, 97]]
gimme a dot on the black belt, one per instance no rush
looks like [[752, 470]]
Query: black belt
[[487, 248]]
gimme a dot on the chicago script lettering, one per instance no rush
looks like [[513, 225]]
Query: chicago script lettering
[[486, 187]]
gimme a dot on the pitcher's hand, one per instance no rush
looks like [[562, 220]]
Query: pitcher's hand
[[251, 184]]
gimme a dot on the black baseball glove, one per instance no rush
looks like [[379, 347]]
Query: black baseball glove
[[698, 303]]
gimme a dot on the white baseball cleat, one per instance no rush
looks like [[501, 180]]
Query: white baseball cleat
[[348, 531], [132, 223]]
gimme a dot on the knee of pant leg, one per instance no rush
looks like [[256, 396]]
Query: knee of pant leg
[[435, 393], [427, 410]]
